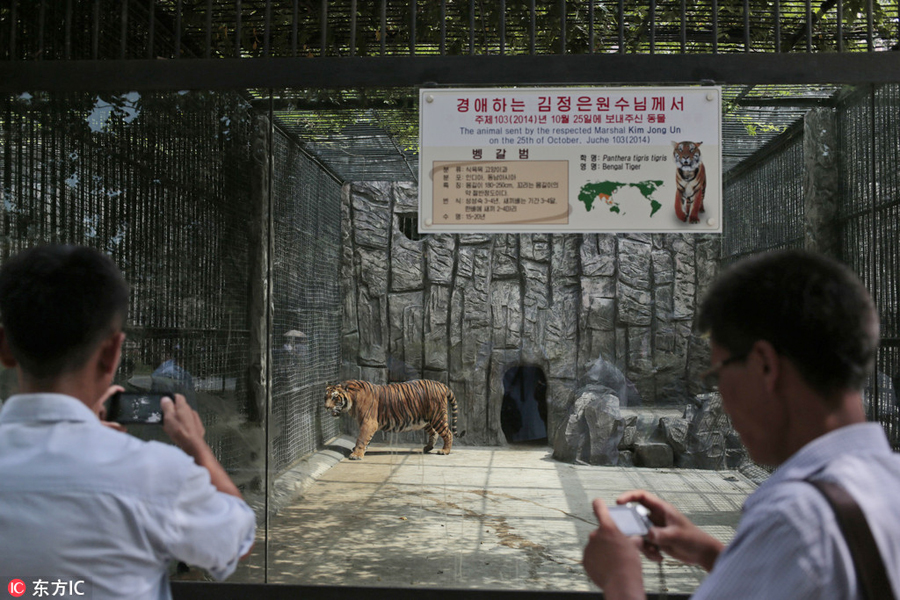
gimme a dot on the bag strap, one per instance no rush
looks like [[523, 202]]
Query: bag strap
[[866, 557]]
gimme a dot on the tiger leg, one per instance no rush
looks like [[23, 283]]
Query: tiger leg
[[679, 208], [366, 430], [699, 195], [698, 206], [443, 430], [432, 438]]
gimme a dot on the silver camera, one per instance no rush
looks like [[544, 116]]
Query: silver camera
[[631, 518]]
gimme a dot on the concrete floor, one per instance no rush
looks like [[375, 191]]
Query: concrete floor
[[510, 518]]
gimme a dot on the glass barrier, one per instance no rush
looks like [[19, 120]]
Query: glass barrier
[[567, 363]]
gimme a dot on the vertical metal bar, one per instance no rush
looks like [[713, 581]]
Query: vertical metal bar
[[683, 26], [267, 34], [562, 26], [237, 28], [67, 53], [776, 8], [531, 33], [352, 27], [809, 25], [151, 29], [95, 31], [41, 23], [124, 32], [413, 8], [209, 19], [295, 16], [621, 17], [873, 266], [840, 25], [870, 25], [178, 29], [502, 27], [383, 27], [591, 27], [443, 27], [472, 27], [13, 23], [652, 26], [715, 20], [747, 25], [323, 27]]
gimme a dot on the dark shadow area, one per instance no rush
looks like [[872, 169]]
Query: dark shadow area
[[523, 414], [182, 590]]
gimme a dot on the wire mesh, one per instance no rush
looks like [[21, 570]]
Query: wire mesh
[[161, 182], [153, 180], [763, 207], [870, 225], [307, 309]]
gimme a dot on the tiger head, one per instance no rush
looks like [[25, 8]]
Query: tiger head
[[687, 155], [338, 400]]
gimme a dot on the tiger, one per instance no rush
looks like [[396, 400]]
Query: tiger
[[407, 406], [690, 181]]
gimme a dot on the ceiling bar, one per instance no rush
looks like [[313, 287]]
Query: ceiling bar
[[382, 72]]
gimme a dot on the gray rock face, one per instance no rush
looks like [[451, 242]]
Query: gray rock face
[[710, 435], [654, 455], [645, 437], [586, 309], [592, 430]]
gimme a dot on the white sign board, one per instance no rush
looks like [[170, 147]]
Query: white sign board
[[570, 160]]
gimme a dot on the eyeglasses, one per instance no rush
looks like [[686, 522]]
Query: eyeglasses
[[710, 377]]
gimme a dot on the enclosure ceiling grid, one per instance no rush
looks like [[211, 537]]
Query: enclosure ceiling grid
[[231, 28]]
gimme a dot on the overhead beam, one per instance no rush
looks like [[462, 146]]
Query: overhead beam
[[386, 72]]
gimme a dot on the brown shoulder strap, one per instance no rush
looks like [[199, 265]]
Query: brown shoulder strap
[[866, 557]]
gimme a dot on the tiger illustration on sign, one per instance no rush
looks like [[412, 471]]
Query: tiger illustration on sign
[[407, 406], [690, 181]]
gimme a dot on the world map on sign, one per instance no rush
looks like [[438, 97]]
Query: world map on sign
[[606, 194]]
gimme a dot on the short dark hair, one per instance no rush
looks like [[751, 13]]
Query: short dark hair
[[57, 303], [812, 309]]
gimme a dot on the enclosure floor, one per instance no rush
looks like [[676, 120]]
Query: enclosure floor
[[509, 518]]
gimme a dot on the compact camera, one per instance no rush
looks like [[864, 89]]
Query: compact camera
[[135, 407], [631, 518]]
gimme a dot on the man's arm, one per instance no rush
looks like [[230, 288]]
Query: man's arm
[[612, 560], [182, 423]]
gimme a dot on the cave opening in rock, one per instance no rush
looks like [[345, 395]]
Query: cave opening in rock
[[523, 414]]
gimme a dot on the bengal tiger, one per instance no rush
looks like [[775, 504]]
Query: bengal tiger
[[690, 181], [407, 406]]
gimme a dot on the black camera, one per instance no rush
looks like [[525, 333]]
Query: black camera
[[135, 407]]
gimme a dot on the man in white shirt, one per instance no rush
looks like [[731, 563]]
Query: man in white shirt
[[793, 337], [96, 509]]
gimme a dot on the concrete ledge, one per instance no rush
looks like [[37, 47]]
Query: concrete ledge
[[298, 478]]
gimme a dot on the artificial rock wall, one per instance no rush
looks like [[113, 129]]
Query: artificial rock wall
[[463, 309]]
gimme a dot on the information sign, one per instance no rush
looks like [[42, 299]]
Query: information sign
[[570, 160]]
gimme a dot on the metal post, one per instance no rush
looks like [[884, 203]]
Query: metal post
[[259, 244]]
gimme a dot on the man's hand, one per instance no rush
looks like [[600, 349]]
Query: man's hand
[[100, 407], [674, 533], [182, 424], [612, 560]]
